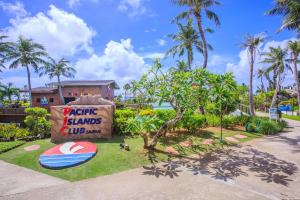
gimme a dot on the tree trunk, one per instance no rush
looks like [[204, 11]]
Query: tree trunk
[[163, 129], [202, 34], [29, 85], [60, 91], [262, 84], [145, 138], [251, 83], [189, 59], [276, 91], [297, 82]]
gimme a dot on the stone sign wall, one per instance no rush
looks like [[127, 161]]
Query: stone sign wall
[[82, 121]]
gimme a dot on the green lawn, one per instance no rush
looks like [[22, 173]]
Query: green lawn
[[6, 146], [111, 159], [294, 117]]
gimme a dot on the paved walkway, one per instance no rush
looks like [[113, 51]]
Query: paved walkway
[[261, 169]]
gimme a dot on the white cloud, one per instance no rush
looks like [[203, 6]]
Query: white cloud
[[154, 55], [118, 62], [133, 8], [150, 30], [72, 3], [62, 33], [16, 9], [241, 69], [161, 42]]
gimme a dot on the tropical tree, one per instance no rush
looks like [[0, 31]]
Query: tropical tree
[[58, 69], [260, 75], [186, 39], [126, 88], [26, 53], [4, 48], [199, 9], [276, 58], [290, 10], [9, 91], [251, 44], [294, 48]]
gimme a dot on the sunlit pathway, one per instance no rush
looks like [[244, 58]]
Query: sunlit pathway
[[261, 169]]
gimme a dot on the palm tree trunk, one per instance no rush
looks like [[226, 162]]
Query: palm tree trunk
[[297, 82], [189, 59], [60, 91], [29, 85], [251, 84], [276, 91], [262, 84], [202, 34]]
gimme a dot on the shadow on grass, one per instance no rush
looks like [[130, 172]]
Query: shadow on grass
[[226, 164]]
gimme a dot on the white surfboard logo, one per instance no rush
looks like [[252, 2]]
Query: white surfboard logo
[[67, 148]]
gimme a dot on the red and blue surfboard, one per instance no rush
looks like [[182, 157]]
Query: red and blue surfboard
[[68, 154]]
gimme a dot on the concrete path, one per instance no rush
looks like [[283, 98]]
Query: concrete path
[[15, 179], [260, 169]]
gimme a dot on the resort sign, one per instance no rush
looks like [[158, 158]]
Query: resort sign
[[75, 121]]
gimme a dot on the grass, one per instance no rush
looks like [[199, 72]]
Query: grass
[[111, 159], [6, 146], [292, 117]]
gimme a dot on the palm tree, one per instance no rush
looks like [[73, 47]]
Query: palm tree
[[187, 39], [261, 75], [251, 44], [26, 53], [9, 91], [4, 48], [294, 48], [126, 88], [290, 10], [276, 58], [58, 69], [199, 8]]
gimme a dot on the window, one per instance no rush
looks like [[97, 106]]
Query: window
[[38, 100], [51, 100]]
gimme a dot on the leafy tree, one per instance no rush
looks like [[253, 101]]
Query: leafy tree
[[58, 69], [251, 43], [26, 53], [186, 39], [181, 66], [294, 48], [290, 10], [9, 91], [126, 88], [4, 48], [276, 58], [260, 75], [199, 8]]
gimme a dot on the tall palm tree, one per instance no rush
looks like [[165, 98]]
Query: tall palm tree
[[276, 58], [186, 39], [251, 44], [58, 69], [199, 9], [294, 48], [290, 10], [26, 53], [9, 91], [4, 48], [261, 75]]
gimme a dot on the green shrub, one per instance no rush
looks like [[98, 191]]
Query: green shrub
[[251, 127], [243, 120], [213, 120], [165, 115], [121, 117], [146, 112], [37, 122], [192, 122], [6, 146], [10, 132], [268, 127], [229, 121]]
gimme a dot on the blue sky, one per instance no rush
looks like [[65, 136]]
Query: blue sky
[[117, 39]]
